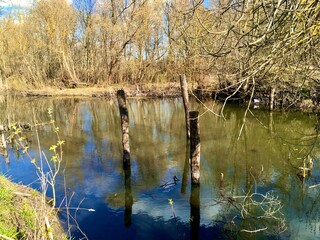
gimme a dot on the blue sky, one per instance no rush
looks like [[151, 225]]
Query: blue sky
[[10, 3], [8, 6]]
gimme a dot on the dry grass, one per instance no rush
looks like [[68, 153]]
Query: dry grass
[[139, 90]]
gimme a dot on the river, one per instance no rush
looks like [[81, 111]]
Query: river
[[249, 173]]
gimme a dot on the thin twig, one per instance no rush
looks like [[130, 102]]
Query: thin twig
[[5, 237], [254, 231]]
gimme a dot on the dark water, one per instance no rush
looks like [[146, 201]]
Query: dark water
[[262, 164]]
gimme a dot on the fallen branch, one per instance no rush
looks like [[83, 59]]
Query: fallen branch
[[5, 237], [254, 231], [22, 194], [313, 186]]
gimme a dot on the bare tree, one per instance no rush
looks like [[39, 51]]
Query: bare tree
[[237, 45]]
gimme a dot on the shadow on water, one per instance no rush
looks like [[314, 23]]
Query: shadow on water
[[186, 170], [130, 204], [128, 197], [195, 212]]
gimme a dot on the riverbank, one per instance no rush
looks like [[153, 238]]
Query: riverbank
[[147, 90], [23, 215], [260, 99]]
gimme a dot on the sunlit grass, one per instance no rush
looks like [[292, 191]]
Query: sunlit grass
[[6, 199], [19, 213], [8, 230]]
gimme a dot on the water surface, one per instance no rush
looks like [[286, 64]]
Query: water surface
[[260, 162]]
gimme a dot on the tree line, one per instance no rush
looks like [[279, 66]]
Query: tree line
[[238, 44]]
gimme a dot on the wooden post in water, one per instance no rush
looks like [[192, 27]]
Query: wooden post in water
[[121, 96], [185, 97], [194, 147]]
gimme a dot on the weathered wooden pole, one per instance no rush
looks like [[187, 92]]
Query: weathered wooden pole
[[194, 147], [121, 96], [185, 97]]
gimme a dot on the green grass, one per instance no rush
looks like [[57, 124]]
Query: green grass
[[6, 194], [7, 230], [28, 215], [20, 211], [6, 198], [16, 215]]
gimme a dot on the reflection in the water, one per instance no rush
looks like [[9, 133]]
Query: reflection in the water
[[128, 197], [195, 211], [186, 168], [264, 160]]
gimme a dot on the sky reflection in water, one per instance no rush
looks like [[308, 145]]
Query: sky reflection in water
[[266, 157]]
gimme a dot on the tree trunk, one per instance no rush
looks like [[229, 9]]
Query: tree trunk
[[184, 92], [273, 90]]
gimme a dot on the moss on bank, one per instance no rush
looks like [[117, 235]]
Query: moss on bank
[[22, 214]]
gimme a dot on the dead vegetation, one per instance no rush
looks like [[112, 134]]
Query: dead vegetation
[[22, 214], [269, 45]]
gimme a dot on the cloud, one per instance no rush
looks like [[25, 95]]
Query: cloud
[[159, 208], [10, 6], [18, 3]]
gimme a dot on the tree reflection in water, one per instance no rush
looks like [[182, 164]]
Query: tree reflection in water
[[128, 197], [276, 143]]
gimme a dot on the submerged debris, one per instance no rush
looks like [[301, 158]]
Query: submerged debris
[[23, 126], [306, 170], [175, 180]]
